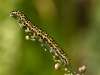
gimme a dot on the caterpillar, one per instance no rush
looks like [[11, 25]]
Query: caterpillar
[[37, 33]]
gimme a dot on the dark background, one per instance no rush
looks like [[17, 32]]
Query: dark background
[[73, 24]]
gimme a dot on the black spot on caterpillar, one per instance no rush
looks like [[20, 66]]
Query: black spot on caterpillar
[[40, 35]]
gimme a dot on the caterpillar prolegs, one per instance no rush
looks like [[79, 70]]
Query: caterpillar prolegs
[[37, 33]]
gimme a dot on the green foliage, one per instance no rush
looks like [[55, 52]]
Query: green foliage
[[74, 25]]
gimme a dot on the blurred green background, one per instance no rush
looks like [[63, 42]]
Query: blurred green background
[[74, 25]]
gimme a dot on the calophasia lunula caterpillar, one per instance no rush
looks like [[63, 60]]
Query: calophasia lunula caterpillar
[[37, 33]]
